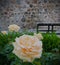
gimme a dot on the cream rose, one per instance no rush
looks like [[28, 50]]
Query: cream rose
[[39, 36], [4, 32], [27, 47], [14, 27]]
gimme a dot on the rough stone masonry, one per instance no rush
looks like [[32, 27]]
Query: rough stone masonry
[[27, 13]]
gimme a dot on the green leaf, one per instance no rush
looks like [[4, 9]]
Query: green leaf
[[3, 59], [27, 63], [8, 49], [37, 62], [50, 59]]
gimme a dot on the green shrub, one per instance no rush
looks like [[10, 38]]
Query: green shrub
[[8, 38], [50, 41], [50, 59], [6, 48]]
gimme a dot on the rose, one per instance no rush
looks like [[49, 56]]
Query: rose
[[39, 36], [14, 27], [4, 32], [27, 47]]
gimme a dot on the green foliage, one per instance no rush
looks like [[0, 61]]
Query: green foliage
[[10, 37], [7, 39], [13, 35], [9, 59], [27, 63], [3, 59], [50, 59], [8, 48], [27, 32], [50, 41], [37, 61]]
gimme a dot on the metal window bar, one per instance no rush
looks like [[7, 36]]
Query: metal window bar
[[48, 25]]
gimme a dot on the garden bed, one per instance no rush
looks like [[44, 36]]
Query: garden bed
[[50, 54]]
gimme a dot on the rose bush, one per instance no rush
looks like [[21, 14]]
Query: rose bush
[[26, 46]]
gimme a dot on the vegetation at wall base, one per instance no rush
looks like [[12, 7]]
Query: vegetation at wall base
[[50, 41], [50, 56]]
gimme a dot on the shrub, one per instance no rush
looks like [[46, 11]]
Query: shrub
[[50, 41], [50, 59]]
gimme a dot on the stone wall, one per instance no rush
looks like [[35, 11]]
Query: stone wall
[[27, 13]]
